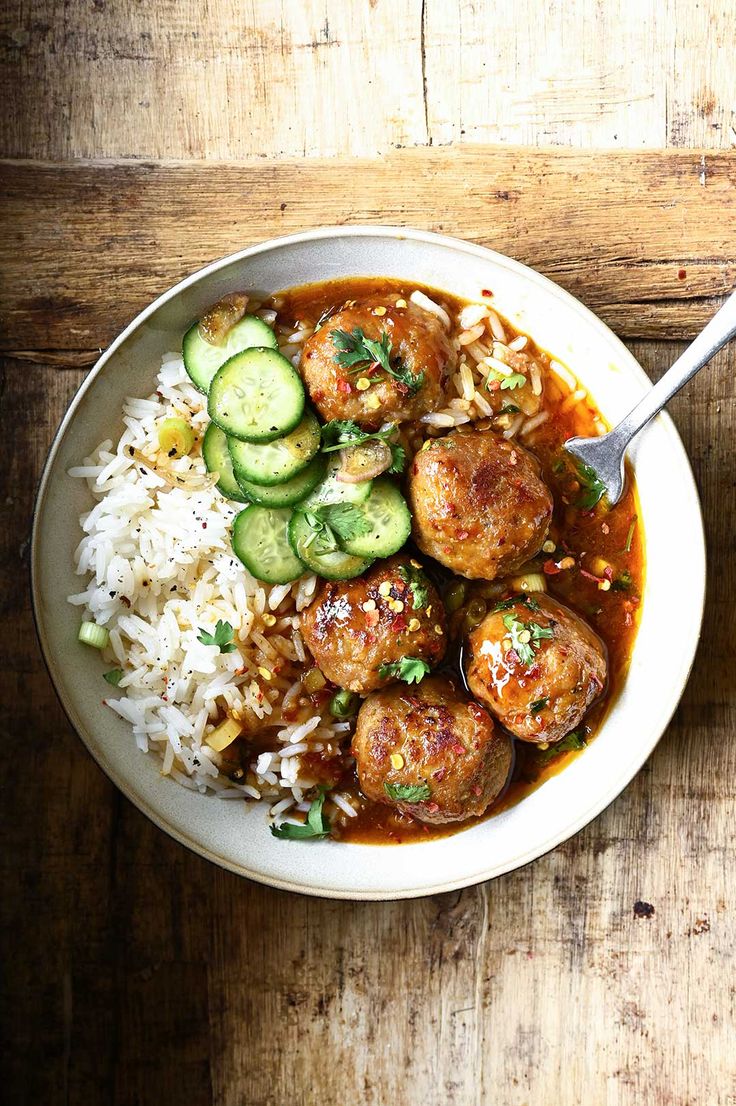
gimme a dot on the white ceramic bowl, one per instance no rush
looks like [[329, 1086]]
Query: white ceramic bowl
[[237, 836]]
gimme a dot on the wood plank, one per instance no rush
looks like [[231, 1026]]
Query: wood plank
[[169, 78], [647, 240], [136, 973]]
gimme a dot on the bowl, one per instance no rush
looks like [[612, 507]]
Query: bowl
[[236, 835]]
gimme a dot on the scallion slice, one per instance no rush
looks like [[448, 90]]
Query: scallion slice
[[92, 634]]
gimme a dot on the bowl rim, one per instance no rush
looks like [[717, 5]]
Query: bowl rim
[[616, 785]]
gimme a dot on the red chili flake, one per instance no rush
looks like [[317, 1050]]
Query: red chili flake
[[681, 274], [477, 791], [439, 775], [459, 749], [476, 712], [462, 534], [590, 576], [513, 656], [494, 385], [371, 618], [204, 525], [486, 292], [550, 568], [398, 623], [432, 808], [344, 386], [534, 671], [608, 572]]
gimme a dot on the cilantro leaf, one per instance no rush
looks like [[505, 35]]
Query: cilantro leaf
[[538, 705], [407, 792], [340, 433], [516, 380], [574, 740], [409, 669], [417, 583], [315, 826], [355, 349], [398, 458], [509, 409], [525, 637], [344, 519], [222, 637], [114, 676], [522, 600], [591, 487]]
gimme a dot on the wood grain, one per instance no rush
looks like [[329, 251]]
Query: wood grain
[[175, 78], [137, 973], [647, 240]]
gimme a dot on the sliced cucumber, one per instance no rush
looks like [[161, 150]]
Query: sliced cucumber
[[217, 459], [256, 396], [333, 564], [276, 462], [260, 540], [332, 490], [386, 512], [202, 359], [291, 491]]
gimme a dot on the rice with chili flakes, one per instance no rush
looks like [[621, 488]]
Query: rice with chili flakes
[[160, 569]]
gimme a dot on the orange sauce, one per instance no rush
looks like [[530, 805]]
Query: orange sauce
[[603, 534]]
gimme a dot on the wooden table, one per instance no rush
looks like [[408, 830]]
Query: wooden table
[[136, 973]]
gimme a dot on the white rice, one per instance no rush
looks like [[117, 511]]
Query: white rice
[[158, 569]]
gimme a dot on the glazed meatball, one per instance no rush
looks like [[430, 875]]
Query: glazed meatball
[[419, 346], [537, 666], [354, 628], [479, 503], [430, 751]]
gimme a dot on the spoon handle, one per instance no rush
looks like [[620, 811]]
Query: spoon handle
[[720, 329]]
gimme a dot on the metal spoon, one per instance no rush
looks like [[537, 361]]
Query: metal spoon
[[605, 455]]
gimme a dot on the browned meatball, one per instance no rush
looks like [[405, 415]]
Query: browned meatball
[[479, 504], [355, 627], [419, 345], [537, 666], [430, 751]]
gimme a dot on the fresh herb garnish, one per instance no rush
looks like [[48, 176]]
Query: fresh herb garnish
[[355, 349], [623, 582], [315, 826], [538, 705], [516, 380], [525, 637], [343, 433], [222, 637], [573, 741], [408, 792], [509, 409], [114, 676], [335, 522], [523, 600], [591, 487], [629, 536], [409, 669], [417, 583]]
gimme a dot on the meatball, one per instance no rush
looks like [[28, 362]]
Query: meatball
[[419, 347], [354, 628], [537, 666], [479, 503], [430, 751]]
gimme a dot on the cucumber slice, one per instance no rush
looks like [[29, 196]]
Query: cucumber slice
[[386, 511], [202, 360], [217, 459], [260, 540], [276, 462], [290, 492], [256, 396], [332, 564], [332, 490]]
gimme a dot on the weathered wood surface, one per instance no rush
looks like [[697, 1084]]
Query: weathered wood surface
[[178, 78], [646, 239]]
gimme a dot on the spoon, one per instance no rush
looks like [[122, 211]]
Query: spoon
[[605, 455]]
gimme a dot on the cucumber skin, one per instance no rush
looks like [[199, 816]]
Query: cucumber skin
[[264, 437], [243, 473], [273, 496], [312, 563], [246, 557], [229, 492], [400, 523], [192, 339]]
